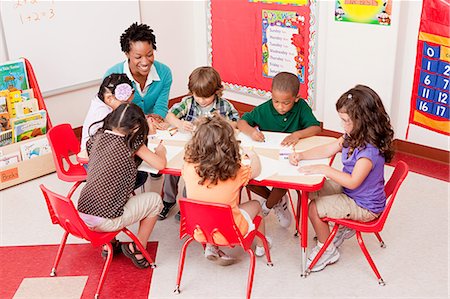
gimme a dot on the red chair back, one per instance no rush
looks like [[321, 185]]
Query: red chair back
[[63, 212], [210, 218], [64, 144]]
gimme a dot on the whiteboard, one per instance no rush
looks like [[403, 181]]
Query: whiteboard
[[68, 43]]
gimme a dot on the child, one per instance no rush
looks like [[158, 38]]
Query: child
[[115, 90], [205, 88], [213, 172], [356, 192], [115, 152], [285, 112]]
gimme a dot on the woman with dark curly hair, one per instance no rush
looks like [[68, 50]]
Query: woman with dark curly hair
[[214, 171], [151, 79], [356, 192]]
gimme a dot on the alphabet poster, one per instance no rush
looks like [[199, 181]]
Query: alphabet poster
[[430, 97], [251, 41]]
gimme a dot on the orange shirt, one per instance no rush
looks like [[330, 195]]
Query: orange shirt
[[225, 192]]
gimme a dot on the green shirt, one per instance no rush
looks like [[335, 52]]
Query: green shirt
[[268, 119]]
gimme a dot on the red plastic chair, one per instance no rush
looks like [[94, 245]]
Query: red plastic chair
[[375, 226], [64, 143], [63, 212], [211, 218]]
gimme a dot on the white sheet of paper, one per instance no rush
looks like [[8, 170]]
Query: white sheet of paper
[[287, 169], [269, 167], [273, 140], [172, 151]]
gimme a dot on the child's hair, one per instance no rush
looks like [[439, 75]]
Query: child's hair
[[371, 123], [286, 82], [214, 149], [204, 82], [129, 119], [110, 83], [134, 33]]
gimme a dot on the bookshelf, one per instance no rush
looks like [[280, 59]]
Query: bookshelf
[[26, 170]]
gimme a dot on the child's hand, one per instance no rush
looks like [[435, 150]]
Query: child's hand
[[151, 126], [258, 136], [162, 126], [290, 140], [187, 126], [160, 150], [294, 158]]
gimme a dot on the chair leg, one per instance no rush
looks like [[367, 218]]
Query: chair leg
[[140, 246], [369, 258], [266, 248], [324, 247], [382, 244], [72, 190], [251, 272], [59, 253], [181, 264], [105, 270]]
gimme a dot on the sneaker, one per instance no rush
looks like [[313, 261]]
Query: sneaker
[[342, 234], [330, 256], [155, 176], [165, 211], [259, 250], [213, 253], [282, 212], [264, 209]]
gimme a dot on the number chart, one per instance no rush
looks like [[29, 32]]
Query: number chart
[[430, 99]]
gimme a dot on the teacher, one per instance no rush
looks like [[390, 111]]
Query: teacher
[[151, 79]]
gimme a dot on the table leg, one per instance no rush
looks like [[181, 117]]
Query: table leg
[[304, 230]]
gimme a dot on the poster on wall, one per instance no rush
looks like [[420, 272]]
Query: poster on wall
[[377, 12], [251, 41], [430, 97]]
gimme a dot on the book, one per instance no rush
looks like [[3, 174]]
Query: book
[[4, 121], [12, 99], [29, 126], [9, 159], [3, 106], [34, 148], [6, 137], [26, 107], [13, 75]]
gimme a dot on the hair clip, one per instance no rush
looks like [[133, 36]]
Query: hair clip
[[123, 91], [349, 96]]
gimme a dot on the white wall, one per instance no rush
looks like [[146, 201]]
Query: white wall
[[348, 54]]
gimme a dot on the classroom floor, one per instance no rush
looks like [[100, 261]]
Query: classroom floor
[[414, 264]]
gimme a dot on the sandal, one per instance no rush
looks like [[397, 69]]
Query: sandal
[[140, 263], [116, 248]]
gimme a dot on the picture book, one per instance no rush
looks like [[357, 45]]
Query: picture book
[[27, 94], [13, 75], [3, 107], [29, 126], [12, 99], [5, 137], [9, 159], [4, 121], [26, 107], [35, 148]]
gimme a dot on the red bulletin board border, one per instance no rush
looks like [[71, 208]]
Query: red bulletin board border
[[235, 45]]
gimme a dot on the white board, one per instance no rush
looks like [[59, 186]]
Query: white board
[[68, 43]]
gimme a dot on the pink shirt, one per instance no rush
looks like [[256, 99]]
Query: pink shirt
[[225, 192]]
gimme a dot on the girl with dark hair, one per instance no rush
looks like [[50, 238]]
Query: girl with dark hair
[[356, 192], [115, 151]]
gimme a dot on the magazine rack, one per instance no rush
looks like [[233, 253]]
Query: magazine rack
[[29, 169]]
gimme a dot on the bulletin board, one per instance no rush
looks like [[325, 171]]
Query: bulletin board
[[430, 97], [251, 41]]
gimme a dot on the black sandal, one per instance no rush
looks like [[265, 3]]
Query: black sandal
[[140, 263], [116, 245]]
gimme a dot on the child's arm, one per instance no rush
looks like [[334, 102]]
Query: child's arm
[[255, 162], [318, 152], [155, 159], [180, 124], [297, 135], [248, 130]]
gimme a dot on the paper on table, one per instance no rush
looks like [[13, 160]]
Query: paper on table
[[269, 167], [172, 151], [273, 140], [178, 136], [287, 169]]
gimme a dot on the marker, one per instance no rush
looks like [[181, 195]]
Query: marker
[[173, 131], [257, 129]]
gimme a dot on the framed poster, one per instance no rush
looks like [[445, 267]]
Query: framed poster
[[430, 99], [251, 41]]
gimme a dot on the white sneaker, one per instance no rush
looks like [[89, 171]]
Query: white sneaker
[[264, 209], [330, 256], [342, 234], [282, 212], [213, 253], [259, 250]]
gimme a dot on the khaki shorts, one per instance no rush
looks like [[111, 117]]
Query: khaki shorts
[[138, 207], [333, 203]]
